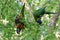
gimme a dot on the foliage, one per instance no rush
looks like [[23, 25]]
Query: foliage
[[32, 31]]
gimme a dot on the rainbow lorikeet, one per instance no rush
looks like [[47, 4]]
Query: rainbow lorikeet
[[39, 13], [18, 21]]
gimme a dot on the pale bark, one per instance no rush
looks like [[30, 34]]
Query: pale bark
[[55, 17]]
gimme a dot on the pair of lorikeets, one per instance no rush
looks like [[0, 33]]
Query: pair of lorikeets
[[37, 15]]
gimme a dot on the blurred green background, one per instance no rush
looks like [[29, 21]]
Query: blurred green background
[[33, 31]]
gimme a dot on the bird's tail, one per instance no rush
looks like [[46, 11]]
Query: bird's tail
[[22, 10]]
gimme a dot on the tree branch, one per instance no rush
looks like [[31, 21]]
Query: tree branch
[[55, 17]]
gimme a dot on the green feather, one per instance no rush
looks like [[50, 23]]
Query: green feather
[[22, 10], [39, 13], [49, 13]]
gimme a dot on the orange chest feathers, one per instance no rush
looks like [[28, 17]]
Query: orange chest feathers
[[20, 26]]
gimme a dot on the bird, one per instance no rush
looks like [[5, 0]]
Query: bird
[[19, 20], [39, 13]]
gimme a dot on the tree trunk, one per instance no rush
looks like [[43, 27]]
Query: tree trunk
[[55, 17]]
